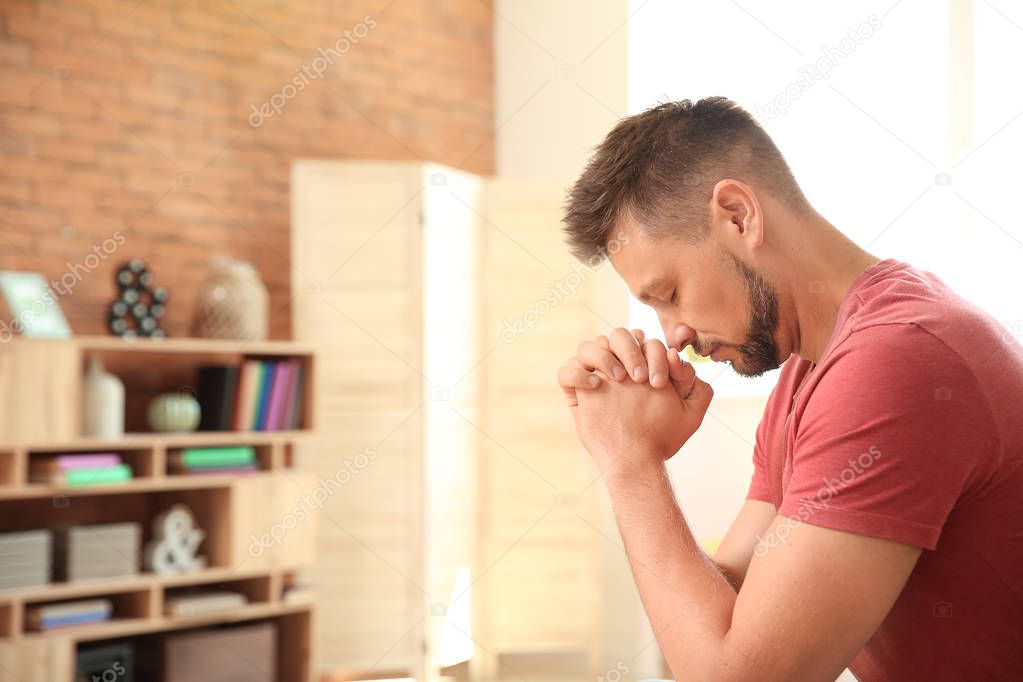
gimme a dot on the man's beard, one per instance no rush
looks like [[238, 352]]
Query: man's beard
[[760, 353]]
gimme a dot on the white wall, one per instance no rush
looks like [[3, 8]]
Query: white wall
[[561, 82]]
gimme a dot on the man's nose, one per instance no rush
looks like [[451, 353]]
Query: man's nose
[[679, 336]]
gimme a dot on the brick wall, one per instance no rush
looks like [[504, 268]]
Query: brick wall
[[138, 117]]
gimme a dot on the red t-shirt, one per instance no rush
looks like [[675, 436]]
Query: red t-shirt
[[910, 428]]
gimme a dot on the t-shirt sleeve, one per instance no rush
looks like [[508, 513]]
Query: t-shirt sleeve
[[889, 438], [759, 488]]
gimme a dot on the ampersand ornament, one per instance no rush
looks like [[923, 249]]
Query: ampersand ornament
[[175, 543]]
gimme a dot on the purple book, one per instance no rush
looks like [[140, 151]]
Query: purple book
[[278, 393], [96, 461], [223, 470]]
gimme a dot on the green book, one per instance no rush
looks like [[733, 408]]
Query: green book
[[214, 458], [98, 475], [261, 385]]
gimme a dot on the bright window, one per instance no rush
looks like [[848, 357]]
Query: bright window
[[861, 98]]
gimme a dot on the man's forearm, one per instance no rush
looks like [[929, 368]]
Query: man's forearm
[[687, 598]]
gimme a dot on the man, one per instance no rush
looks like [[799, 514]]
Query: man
[[883, 529]]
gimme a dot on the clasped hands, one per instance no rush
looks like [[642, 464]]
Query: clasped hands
[[634, 402]]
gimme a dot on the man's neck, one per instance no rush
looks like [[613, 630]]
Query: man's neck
[[826, 268]]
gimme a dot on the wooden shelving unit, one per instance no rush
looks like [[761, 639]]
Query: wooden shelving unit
[[40, 395]]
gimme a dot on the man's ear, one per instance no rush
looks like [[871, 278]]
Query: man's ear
[[737, 217]]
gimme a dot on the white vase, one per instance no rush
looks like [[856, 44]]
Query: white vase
[[103, 403]]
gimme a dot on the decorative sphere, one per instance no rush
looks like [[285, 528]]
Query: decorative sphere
[[173, 412]]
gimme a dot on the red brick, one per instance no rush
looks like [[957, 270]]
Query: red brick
[[67, 150], [15, 191], [181, 77]]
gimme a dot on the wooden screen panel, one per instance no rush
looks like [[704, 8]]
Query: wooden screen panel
[[358, 280], [542, 595]]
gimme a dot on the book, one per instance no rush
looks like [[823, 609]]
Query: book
[[34, 579], [64, 621], [25, 539], [294, 414], [203, 603], [84, 476], [48, 616], [96, 551], [248, 388], [278, 396], [290, 378], [217, 388], [221, 470], [25, 558], [217, 457], [265, 388], [70, 461]]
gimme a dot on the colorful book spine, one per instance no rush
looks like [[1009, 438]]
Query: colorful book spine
[[223, 471], [278, 396], [94, 461], [268, 395], [97, 476], [48, 616], [205, 458], [80, 619], [294, 410], [263, 397], [248, 386]]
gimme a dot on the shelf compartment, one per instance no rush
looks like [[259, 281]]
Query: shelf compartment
[[127, 605], [139, 458], [32, 371], [209, 506], [263, 460], [88, 588], [255, 590]]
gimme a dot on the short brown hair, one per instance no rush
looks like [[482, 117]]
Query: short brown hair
[[660, 167]]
